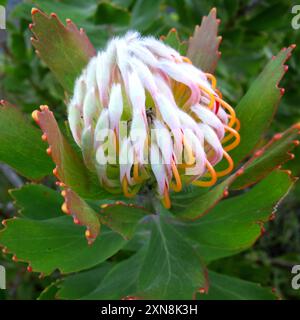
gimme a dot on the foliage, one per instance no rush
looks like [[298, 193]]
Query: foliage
[[204, 243]]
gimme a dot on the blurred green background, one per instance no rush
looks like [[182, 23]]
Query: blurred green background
[[252, 31]]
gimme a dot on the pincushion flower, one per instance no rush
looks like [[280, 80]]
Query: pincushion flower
[[178, 125]]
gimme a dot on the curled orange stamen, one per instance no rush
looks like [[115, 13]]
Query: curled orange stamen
[[229, 109], [212, 80], [166, 199], [235, 142], [186, 59], [178, 186], [209, 183], [211, 95], [230, 167], [236, 128]]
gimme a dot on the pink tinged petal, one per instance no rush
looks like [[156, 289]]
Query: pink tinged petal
[[143, 54], [188, 122], [209, 117], [131, 36], [176, 72], [197, 73], [102, 128], [164, 143], [138, 136], [115, 106], [103, 76], [163, 83], [213, 140], [145, 75], [91, 108], [160, 49], [200, 157], [87, 148], [75, 122], [158, 169], [122, 61], [91, 80], [136, 93], [126, 160], [79, 91], [169, 114], [222, 115]]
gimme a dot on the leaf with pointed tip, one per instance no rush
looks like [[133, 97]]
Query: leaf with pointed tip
[[20, 144], [65, 49], [258, 106], [57, 243], [275, 153], [70, 168], [37, 201], [202, 204], [236, 223], [223, 287], [83, 283], [122, 218], [83, 213], [172, 39], [272, 155], [120, 282], [49, 293], [204, 44], [172, 268]]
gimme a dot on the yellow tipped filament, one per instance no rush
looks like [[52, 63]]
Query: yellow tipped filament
[[166, 199], [235, 142], [212, 80], [209, 183], [186, 59], [178, 186], [136, 176], [230, 135], [229, 109], [211, 95], [125, 189], [230, 165]]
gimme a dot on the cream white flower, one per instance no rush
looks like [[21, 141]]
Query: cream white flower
[[143, 113]]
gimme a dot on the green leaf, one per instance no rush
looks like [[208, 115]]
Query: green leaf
[[172, 268], [257, 108], [223, 287], [122, 218], [203, 46], [120, 282], [144, 13], [272, 155], [65, 49], [202, 204], [82, 213], [83, 283], [57, 243], [70, 169], [50, 292], [37, 202], [236, 223], [195, 204], [172, 39], [20, 144]]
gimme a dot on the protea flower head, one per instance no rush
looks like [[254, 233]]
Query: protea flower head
[[142, 114]]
